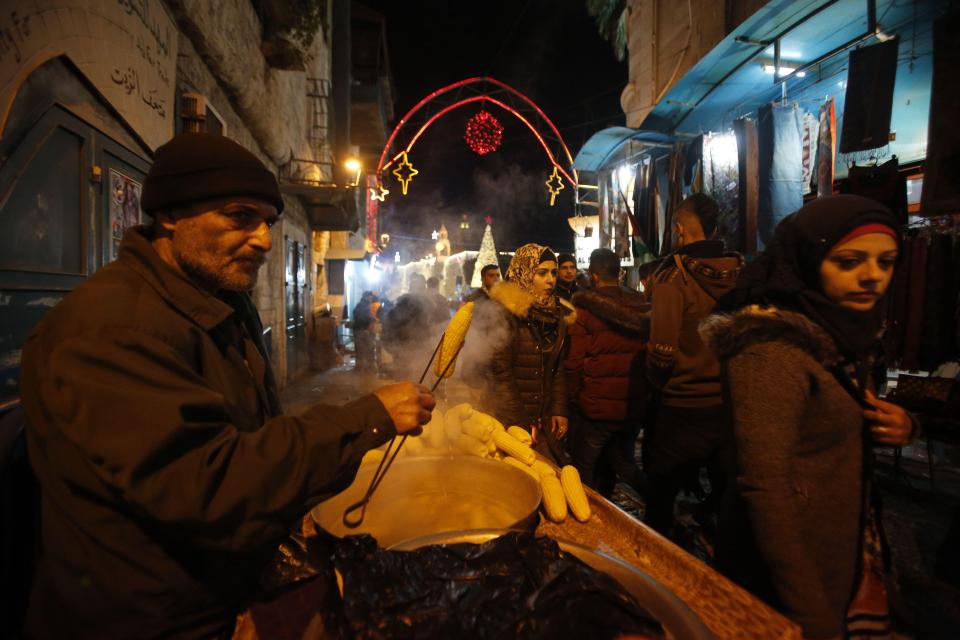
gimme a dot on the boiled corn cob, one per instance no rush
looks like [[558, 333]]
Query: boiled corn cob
[[511, 446], [451, 425], [463, 410], [573, 490], [477, 428], [554, 502], [492, 447], [542, 468], [452, 339], [487, 419], [472, 446], [521, 434], [434, 431], [513, 462]]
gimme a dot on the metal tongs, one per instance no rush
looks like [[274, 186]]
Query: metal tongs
[[351, 521]]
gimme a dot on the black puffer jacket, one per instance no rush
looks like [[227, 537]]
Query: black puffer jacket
[[527, 384]]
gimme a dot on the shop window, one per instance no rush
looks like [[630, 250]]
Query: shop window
[[335, 274], [197, 114], [40, 230]]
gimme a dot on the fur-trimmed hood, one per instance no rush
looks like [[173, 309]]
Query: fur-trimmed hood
[[729, 334], [518, 302], [626, 311]]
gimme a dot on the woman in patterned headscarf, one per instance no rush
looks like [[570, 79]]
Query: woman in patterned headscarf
[[527, 383]]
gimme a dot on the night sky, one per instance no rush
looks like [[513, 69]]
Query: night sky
[[549, 50]]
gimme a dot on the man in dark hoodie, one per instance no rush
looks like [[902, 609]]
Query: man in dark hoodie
[[605, 374], [688, 429], [566, 276]]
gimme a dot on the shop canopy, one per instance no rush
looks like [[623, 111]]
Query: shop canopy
[[604, 145], [813, 37]]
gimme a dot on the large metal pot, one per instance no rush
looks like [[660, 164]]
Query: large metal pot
[[432, 494], [678, 620]]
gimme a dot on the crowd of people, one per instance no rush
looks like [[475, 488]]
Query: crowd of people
[[168, 471], [764, 375]]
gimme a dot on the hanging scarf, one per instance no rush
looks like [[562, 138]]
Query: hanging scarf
[[787, 273]]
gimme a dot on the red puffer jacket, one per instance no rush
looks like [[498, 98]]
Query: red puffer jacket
[[605, 375]]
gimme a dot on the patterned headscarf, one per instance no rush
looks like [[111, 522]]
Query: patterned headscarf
[[524, 265]]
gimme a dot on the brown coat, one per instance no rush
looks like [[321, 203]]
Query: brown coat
[[684, 292], [800, 465], [167, 473], [604, 366]]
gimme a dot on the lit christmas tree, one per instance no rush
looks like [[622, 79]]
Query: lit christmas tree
[[488, 255]]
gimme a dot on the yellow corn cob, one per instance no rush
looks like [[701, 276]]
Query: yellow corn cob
[[434, 431], [576, 496], [542, 468], [491, 446], [554, 502], [464, 410], [487, 419], [511, 446], [452, 339], [513, 462], [472, 446], [521, 434], [413, 446], [476, 428]]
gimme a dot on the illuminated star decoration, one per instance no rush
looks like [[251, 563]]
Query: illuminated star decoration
[[379, 193], [404, 177], [484, 133], [554, 185], [435, 235], [488, 219]]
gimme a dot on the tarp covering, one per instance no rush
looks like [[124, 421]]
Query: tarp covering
[[604, 144]]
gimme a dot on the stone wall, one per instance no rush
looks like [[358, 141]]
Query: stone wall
[[267, 111]]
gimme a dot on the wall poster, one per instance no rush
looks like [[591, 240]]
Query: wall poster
[[124, 208]]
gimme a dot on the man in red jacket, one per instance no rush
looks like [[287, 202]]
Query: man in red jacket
[[605, 374]]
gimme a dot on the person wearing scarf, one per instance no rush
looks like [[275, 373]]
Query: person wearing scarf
[[527, 330], [798, 339]]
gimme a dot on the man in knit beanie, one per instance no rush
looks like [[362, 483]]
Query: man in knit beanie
[[168, 472]]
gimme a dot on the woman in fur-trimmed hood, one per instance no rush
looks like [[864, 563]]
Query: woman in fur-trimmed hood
[[797, 340], [527, 386]]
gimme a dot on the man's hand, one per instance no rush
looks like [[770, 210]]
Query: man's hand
[[889, 423], [559, 425], [408, 404]]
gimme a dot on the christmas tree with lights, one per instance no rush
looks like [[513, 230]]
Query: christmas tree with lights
[[487, 255]]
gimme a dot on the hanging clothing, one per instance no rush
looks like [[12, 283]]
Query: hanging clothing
[[868, 101], [916, 294], [941, 188], [811, 127], [883, 183], [826, 148], [779, 142]]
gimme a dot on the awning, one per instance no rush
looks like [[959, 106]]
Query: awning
[[345, 253], [602, 146]]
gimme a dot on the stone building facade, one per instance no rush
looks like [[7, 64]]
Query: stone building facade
[[90, 88]]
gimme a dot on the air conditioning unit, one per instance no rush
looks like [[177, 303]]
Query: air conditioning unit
[[197, 114]]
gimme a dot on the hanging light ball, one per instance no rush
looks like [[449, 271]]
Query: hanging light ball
[[484, 133]]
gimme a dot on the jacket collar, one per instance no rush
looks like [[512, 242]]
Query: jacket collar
[[204, 308], [615, 305], [729, 334], [519, 303]]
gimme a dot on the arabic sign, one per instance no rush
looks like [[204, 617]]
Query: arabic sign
[[126, 48]]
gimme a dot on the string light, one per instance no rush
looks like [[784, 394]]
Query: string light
[[484, 133], [379, 192], [554, 185], [404, 177]]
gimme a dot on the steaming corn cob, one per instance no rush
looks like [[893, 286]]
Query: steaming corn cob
[[576, 496], [487, 419], [434, 431], [413, 446], [554, 501], [452, 339], [513, 462], [511, 446], [476, 428], [491, 447], [462, 410], [521, 434], [472, 446], [542, 468]]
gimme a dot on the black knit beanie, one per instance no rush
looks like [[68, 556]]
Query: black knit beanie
[[565, 257], [201, 166]]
